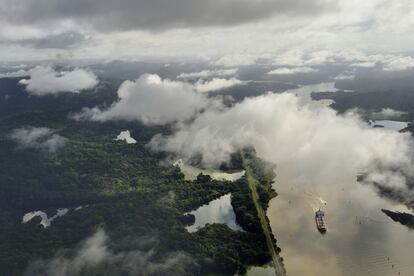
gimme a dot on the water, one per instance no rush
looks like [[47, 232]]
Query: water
[[260, 271], [304, 93], [361, 240], [390, 125], [45, 220], [216, 211], [191, 173], [125, 136]]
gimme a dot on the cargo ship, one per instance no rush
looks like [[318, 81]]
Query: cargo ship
[[320, 221]]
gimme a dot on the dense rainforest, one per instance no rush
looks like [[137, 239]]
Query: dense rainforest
[[124, 189]]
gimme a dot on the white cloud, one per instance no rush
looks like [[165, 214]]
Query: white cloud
[[399, 63], [342, 144], [387, 114], [45, 80], [153, 101], [347, 75], [41, 138], [320, 57], [205, 74], [309, 144], [15, 32], [16, 74], [289, 58], [296, 59], [217, 84], [292, 71], [367, 64], [236, 60], [299, 60]]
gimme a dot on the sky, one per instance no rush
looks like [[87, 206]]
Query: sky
[[227, 31]]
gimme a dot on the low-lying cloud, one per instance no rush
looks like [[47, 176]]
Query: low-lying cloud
[[16, 74], [292, 71], [217, 84], [45, 80], [236, 60], [41, 138], [152, 100], [206, 74], [95, 253], [302, 61], [309, 144], [399, 63]]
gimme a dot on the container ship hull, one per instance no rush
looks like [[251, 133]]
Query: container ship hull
[[320, 221]]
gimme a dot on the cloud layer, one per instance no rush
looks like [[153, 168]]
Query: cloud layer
[[310, 144], [217, 84], [206, 74], [16, 74], [159, 14], [230, 31], [45, 80], [283, 128], [292, 71]]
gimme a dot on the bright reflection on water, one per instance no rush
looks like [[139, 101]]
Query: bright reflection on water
[[191, 173], [304, 92], [390, 125], [261, 271], [45, 220], [217, 211]]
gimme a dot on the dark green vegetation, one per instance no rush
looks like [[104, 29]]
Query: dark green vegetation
[[259, 181], [126, 190]]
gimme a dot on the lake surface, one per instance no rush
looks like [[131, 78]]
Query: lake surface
[[45, 220], [216, 211], [390, 125], [260, 271], [125, 136], [191, 173], [304, 93]]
